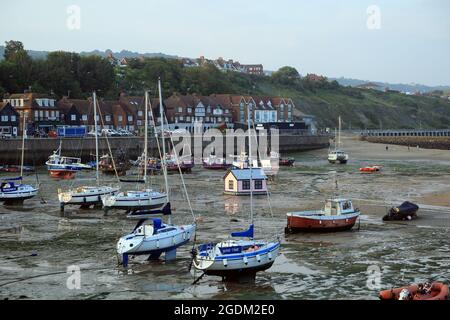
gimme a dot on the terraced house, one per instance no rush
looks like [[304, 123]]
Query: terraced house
[[186, 111], [41, 109], [9, 120]]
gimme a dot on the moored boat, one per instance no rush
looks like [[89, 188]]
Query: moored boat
[[421, 291], [338, 215], [12, 191], [215, 163], [185, 164], [64, 167], [337, 155], [406, 211]]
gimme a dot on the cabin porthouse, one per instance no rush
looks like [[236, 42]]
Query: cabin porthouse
[[237, 182]]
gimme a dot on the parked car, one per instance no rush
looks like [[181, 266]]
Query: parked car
[[92, 133], [110, 133]]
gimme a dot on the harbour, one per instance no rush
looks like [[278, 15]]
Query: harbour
[[310, 266]]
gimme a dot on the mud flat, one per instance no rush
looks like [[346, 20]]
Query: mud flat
[[311, 266]]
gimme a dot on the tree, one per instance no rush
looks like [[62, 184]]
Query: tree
[[286, 75], [20, 64], [62, 73], [95, 73]]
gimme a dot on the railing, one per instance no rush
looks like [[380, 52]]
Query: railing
[[406, 133]]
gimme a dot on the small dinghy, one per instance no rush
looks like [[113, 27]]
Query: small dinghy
[[421, 291], [406, 211], [370, 169]]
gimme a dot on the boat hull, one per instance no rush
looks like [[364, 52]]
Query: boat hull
[[439, 291], [73, 197], [216, 166], [133, 204], [155, 245], [19, 196], [297, 223], [238, 265]]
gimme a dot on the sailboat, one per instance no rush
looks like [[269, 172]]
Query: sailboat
[[232, 259], [86, 196], [151, 236], [337, 155], [12, 191], [135, 201]]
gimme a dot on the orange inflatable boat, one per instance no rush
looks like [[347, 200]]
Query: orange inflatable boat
[[434, 291], [370, 169]]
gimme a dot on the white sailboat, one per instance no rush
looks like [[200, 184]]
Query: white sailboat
[[151, 236], [136, 201], [86, 196], [12, 191], [337, 155], [232, 259]]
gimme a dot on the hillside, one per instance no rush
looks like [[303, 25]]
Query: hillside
[[367, 109]]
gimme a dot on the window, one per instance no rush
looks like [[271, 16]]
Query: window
[[179, 109], [73, 117], [84, 117], [258, 184], [231, 184], [189, 110], [245, 184], [107, 118], [120, 118], [4, 118], [139, 122], [52, 114], [188, 118], [97, 118], [36, 114], [209, 109], [130, 118], [140, 113], [13, 118], [181, 118], [227, 111], [57, 114], [41, 114]]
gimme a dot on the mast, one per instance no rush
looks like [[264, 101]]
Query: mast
[[145, 137], [97, 177], [163, 160], [339, 139], [23, 143], [250, 163]]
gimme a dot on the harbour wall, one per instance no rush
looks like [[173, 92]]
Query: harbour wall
[[37, 150], [425, 142]]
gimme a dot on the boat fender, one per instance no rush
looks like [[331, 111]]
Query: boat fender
[[258, 258], [184, 235], [270, 255], [84, 199], [245, 260], [157, 243], [225, 262], [320, 221]]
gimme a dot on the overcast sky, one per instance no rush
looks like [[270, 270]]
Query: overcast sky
[[408, 41]]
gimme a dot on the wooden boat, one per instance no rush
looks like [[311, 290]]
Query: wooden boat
[[426, 291], [370, 169], [338, 215]]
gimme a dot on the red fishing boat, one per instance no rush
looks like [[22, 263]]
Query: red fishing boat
[[338, 215], [421, 291], [286, 162]]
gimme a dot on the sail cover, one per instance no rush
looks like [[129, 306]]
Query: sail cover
[[248, 233]]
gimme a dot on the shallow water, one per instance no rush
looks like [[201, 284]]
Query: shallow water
[[310, 266]]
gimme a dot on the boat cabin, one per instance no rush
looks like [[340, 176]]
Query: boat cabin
[[237, 181], [335, 207]]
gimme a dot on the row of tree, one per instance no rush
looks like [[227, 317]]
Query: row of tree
[[66, 73]]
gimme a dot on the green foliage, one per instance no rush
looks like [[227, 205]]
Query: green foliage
[[286, 76]]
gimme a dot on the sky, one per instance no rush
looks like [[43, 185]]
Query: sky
[[396, 41]]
